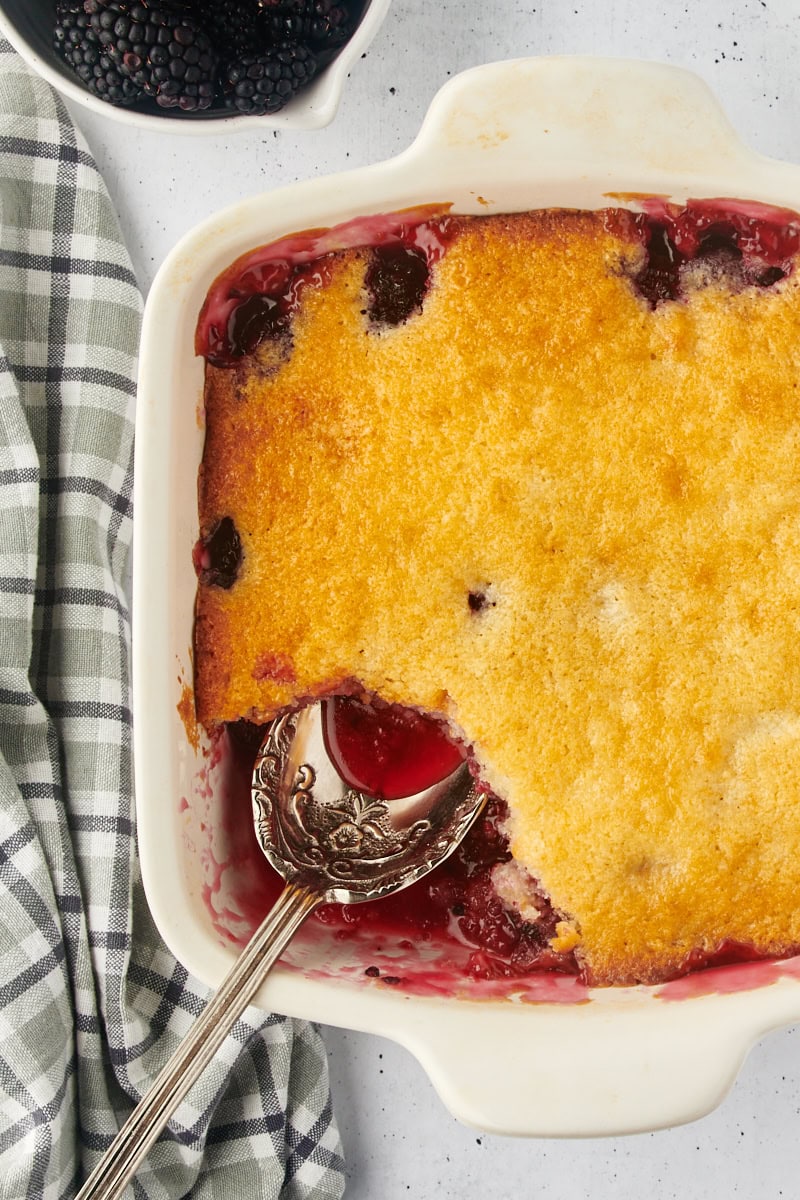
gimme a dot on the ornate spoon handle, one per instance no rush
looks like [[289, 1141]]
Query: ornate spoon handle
[[196, 1051]]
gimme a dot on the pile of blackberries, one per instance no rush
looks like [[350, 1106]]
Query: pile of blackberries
[[239, 56]]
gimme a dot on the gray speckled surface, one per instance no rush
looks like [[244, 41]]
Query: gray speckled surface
[[400, 1142], [399, 1139]]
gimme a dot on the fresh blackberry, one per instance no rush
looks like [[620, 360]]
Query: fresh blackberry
[[159, 48], [321, 23], [236, 27], [263, 83], [80, 47]]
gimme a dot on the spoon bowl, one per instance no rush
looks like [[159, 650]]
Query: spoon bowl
[[320, 833], [330, 842]]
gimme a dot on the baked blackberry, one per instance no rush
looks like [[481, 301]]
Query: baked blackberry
[[321, 23], [162, 50], [80, 47], [264, 83]]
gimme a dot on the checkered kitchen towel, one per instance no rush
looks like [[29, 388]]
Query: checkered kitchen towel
[[91, 1002]]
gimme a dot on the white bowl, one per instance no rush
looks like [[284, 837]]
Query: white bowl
[[28, 25], [509, 136]]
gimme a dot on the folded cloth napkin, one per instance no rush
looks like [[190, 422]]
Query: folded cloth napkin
[[91, 1002]]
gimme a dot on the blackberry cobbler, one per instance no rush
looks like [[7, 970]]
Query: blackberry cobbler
[[534, 476]]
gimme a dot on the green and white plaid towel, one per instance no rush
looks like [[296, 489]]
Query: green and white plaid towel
[[91, 1002]]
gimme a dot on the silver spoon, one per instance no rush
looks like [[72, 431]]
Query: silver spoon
[[329, 842]]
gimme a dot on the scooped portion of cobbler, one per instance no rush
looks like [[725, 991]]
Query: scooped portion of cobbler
[[535, 473]]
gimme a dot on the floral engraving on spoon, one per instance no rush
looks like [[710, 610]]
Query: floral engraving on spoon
[[353, 836]]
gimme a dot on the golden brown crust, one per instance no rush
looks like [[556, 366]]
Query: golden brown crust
[[623, 485]]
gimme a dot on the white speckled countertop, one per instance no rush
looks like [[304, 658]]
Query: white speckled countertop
[[399, 1139]]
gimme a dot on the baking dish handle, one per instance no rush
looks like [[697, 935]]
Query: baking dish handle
[[583, 113], [621, 1063]]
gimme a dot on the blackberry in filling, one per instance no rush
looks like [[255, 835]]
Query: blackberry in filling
[[481, 599], [258, 319], [699, 244], [396, 280], [218, 557]]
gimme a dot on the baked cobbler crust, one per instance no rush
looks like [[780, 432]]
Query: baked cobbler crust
[[618, 484]]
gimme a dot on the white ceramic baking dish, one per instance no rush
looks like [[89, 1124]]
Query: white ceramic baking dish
[[514, 135]]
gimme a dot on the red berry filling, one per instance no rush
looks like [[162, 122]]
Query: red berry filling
[[387, 751], [745, 245], [748, 244], [455, 903], [267, 283], [259, 307]]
